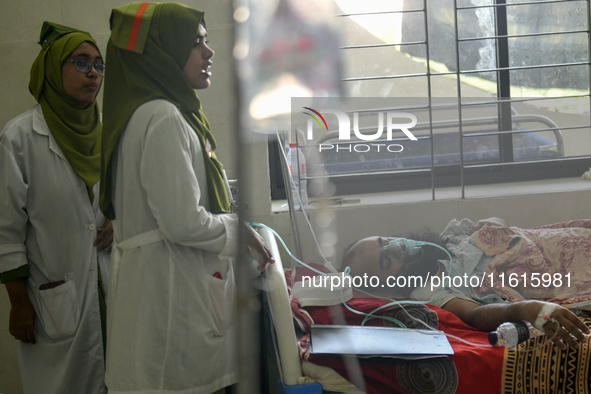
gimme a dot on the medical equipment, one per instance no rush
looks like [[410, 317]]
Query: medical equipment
[[401, 248], [371, 341], [297, 170]]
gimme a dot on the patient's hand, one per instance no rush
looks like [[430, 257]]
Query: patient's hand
[[571, 330], [491, 222], [489, 316]]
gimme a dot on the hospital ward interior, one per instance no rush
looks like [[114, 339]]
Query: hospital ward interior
[[420, 171]]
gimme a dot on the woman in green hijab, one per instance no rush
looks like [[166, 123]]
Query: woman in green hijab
[[171, 301], [54, 240]]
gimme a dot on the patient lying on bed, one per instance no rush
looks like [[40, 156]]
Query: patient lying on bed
[[486, 249], [498, 274]]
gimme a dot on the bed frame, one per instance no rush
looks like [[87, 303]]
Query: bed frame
[[285, 337]]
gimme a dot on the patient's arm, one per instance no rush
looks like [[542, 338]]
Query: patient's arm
[[490, 316]]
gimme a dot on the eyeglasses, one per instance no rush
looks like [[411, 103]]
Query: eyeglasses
[[84, 66]]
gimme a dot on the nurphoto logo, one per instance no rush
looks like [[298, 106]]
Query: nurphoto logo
[[393, 124]]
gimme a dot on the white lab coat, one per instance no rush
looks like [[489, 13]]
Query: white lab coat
[[47, 221], [169, 318]]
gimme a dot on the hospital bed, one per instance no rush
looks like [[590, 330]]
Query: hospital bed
[[486, 369], [286, 341], [293, 376]]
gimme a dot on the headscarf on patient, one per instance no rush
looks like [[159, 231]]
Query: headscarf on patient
[[75, 126], [149, 46]]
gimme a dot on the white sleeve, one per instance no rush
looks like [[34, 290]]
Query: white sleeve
[[173, 190], [13, 205]]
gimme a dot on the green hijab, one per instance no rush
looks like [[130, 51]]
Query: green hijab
[[149, 46], [75, 126]]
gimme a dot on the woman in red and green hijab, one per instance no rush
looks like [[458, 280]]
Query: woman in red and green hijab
[[53, 238], [171, 301]]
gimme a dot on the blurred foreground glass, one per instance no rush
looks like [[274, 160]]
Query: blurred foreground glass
[[284, 49]]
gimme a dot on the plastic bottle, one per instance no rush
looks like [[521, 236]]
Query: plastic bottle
[[299, 184], [513, 333]]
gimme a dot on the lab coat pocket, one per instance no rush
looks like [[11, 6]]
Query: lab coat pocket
[[221, 296], [58, 309]]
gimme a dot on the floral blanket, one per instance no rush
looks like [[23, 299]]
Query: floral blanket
[[551, 263]]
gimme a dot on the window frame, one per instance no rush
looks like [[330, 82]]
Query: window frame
[[508, 170]]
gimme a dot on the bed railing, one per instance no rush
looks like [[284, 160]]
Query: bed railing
[[286, 341]]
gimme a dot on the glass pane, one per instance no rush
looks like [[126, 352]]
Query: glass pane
[[570, 79], [361, 7], [568, 119], [478, 55], [472, 3], [552, 49], [543, 18], [377, 29], [441, 32], [380, 61], [444, 86], [398, 87], [476, 22], [479, 84]]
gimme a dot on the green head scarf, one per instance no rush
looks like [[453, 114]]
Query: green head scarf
[[75, 126], [149, 46]]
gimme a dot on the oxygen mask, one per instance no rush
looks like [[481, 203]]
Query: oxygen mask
[[404, 250]]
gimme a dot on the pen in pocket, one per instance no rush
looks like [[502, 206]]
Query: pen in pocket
[[51, 285]]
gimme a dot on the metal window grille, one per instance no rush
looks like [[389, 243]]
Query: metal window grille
[[513, 34]]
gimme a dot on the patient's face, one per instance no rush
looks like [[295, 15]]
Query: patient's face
[[367, 259]]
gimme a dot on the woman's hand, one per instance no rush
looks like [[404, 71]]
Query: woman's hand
[[22, 314], [258, 244], [21, 322], [105, 236]]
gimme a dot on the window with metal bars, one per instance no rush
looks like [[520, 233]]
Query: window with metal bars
[[500, 87]]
